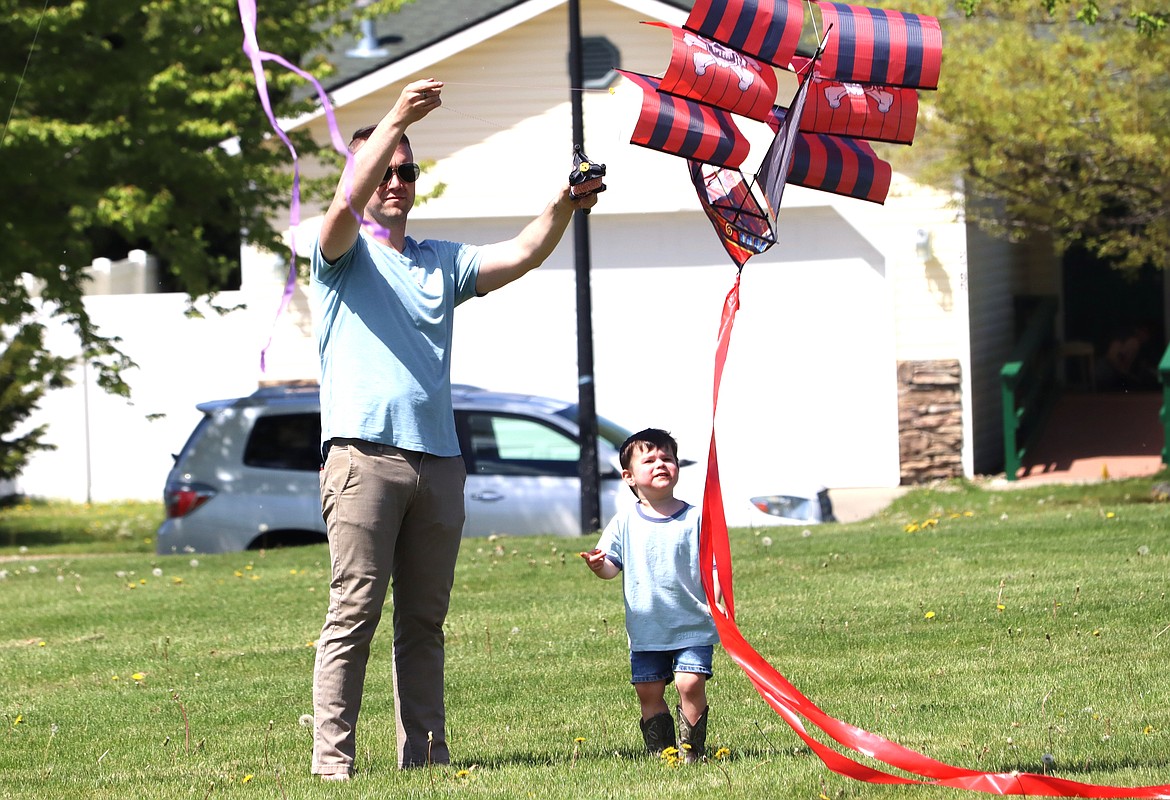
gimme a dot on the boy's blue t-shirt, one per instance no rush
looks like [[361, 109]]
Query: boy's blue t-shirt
[[383, 322], [666, 606]]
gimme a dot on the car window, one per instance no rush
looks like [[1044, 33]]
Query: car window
[[285, 441], [506, 444]]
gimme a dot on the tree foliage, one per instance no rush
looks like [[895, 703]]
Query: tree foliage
[[138, 121], [1059, 111]]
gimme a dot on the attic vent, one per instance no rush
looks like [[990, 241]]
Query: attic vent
[[599, 59]]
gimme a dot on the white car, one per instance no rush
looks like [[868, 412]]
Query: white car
[[248, 476]]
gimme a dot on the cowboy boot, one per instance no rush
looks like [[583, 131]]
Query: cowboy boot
[[658, 732], [692, 737]]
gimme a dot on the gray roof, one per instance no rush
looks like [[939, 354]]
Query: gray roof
[[419, 25]]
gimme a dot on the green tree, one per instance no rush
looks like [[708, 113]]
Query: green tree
[[138, 121], [1060, 113]]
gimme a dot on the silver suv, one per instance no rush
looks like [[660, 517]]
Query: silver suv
[[247, 478]]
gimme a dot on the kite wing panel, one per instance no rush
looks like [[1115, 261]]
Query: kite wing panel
[[880, 113], [873, 45], [774, 169], [684, 127], [765, 29], [840, 165], [709, 72]]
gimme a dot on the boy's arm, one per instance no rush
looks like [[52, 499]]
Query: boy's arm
[[602, 567]]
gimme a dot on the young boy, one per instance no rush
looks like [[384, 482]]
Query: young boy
[[655, 546]]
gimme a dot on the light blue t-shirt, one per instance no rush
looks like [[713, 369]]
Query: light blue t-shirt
[[383, 322], [666, 607]]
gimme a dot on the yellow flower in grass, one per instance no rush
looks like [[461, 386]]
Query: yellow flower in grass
[[911, 527], [579, 739], [929, 615], [463, 773], [722, 753], [1148, 730], [247, 778], [138, 677], [1000, 607]]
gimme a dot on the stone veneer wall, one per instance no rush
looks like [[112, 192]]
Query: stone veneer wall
[[930, 424]]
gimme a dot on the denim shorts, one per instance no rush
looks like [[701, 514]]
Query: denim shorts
[[647, 666]]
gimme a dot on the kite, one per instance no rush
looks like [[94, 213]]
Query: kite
[[859, 85]]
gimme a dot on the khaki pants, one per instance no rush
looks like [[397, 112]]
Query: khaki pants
[[394, 519]]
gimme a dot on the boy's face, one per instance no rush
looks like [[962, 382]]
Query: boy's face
[[653, 472]]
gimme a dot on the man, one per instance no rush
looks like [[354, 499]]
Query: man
[[392, 481]]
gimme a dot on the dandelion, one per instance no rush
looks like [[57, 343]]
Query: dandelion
[[1000, 607], [1148, 730], [3, 574], [929, 615], [115, 678], [579, 739], [194, 563], [1109, 515], [911, 527], [138, 677], [19, 719], [806, 533], [32, 569], [176, 580], [40, 644], [766, 541], [156, 572], [462, 774], [722, 753], [305, 720], [238, 574], [1143, 551], [247, 778]]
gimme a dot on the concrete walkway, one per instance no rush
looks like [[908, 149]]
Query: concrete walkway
[[1089, 437], [1094, 436]]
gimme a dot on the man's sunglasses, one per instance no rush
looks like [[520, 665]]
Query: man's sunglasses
[[407, 173]]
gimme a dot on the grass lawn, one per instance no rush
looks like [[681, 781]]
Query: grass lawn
[[982, 628]]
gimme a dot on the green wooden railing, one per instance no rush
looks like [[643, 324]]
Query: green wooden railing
[[1164, 414], [1028, 385]]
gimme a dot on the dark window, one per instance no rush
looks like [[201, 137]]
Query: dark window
[[285, 441], [505, 444], [600, 59]]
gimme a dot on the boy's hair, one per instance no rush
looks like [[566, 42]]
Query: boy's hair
[[644, 440], [361, 134]]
